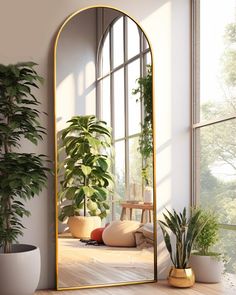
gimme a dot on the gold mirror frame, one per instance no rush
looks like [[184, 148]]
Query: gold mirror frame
[[68, 19]]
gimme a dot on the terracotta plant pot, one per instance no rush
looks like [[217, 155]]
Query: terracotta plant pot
[[20, 270], [82, 226], [207, 269], [181, 278]]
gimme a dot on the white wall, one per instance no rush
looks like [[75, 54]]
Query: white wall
[[76, 64], [27, 31], [76, 68]]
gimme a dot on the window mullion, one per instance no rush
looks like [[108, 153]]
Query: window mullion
[[112, 113], [126, 110], [212, 122], [127, 168], [140, 55], [228, 226], [196, 61], [196, 167], [142, 74]]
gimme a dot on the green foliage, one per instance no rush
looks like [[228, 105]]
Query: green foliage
[[209, 235], [185, 231], [22, 176], [87, 179], [229, 57], [229, 66], [218, 149], [230, 33], [146, 138]]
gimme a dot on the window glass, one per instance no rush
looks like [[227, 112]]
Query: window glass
[[135, 170], [227, 246], [217, 59], [133, 38], [118, 42], [119, 171], [116, 95], [217, 176], [145, 43], [134, 106], [105, 56], [105, 100], [215, 100], [148, 59], [119, 107]]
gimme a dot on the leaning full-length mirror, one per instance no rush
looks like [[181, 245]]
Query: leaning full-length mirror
[[104, 145]]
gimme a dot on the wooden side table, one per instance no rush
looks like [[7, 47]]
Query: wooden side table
[[145, 207]]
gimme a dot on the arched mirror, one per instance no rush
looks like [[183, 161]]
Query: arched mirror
[[105, 200]]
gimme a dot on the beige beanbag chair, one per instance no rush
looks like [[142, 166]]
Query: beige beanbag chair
[[120, 233]]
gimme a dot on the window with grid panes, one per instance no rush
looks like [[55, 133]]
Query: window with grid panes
[[214, 118], [122, 58]]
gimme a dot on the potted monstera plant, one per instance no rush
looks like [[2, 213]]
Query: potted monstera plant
[[22, 176], [207, 263], [87, 178], [145, 148], [185, 231]]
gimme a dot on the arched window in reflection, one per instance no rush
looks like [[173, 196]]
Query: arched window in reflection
[[123, 54]]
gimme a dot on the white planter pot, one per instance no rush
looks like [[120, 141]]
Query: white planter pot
[[148, 194], [82, 226], [207, 269], [20, 270]]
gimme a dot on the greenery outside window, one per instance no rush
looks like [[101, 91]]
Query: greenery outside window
[[214, 117]]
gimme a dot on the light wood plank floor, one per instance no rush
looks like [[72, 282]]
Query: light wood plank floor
[[80, 265], [160, 288]]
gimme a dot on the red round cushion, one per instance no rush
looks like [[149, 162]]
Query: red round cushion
[[96, 234]]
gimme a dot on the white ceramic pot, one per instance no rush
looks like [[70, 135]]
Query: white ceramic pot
[[20, 270], [82, 226], [207, 269], [148, 194]]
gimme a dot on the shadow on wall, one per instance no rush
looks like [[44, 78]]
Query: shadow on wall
[[75, 60]]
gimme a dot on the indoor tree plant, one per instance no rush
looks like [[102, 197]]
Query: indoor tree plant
[[87, 179], [22, 175], [185, 231], [145, 148], [207, 264]]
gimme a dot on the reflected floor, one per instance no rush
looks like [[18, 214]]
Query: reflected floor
[[80, 264]]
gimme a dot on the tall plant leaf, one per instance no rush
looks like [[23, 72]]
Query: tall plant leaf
[[185, 231], [23, 175], [87, 141]]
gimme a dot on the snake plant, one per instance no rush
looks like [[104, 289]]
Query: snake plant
[[185, 231]]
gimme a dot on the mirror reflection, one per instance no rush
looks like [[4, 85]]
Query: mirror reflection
[[103, 106]]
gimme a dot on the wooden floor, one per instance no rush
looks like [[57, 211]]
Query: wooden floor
[[160, 288], [81, 265]]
